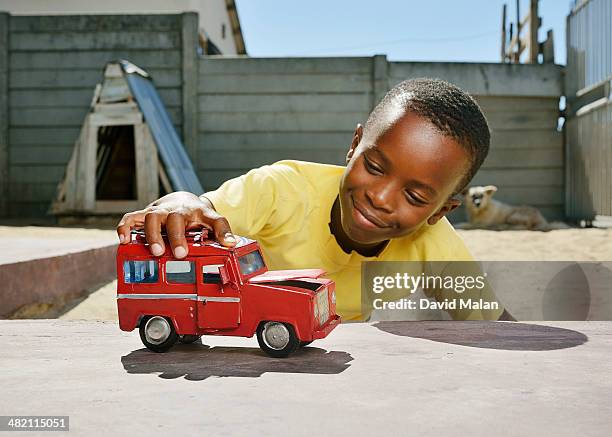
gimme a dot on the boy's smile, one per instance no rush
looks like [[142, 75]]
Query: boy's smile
[[395, 183]]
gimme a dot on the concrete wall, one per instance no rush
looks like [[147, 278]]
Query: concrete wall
[[256, 111], [53, 65], [236, 113]]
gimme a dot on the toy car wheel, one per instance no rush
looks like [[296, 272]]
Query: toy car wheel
[[277, 339], [188, 338], [157, 333]]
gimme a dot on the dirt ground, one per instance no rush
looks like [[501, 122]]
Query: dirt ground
[[558, 245]]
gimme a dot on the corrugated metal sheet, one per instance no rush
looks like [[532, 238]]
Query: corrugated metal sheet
[[589, 138], [589, 45], [171, 150], [589, 127]]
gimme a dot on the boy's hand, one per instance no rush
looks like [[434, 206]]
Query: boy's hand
[[176, 212]]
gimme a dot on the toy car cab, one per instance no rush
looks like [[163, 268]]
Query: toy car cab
[[218, 290]]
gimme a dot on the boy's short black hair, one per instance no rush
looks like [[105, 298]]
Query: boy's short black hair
[[453, 111]]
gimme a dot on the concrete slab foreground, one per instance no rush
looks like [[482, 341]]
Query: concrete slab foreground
[[44, 267], [389, 378]]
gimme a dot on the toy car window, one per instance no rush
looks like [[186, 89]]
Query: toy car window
[[140, 272], [210, 274], [180, 272], [251, 262]]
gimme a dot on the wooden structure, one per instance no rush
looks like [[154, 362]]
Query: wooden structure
[[82, 191], [114, 166], [513, 44]]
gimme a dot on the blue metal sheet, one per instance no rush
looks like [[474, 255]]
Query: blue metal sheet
[[178, 166]]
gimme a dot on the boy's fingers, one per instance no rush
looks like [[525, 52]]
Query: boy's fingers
[[152, 227], [175, 228], [223, 232], [128, 222]]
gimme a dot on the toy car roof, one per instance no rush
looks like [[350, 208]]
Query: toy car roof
[[197, 238]]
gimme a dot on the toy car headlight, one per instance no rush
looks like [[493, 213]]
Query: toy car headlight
[[322, 305]]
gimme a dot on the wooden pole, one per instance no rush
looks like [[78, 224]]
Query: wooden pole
[[518, 32], [534, 25], [503, 35]]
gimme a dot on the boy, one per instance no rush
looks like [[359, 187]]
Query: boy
[[420, 146]]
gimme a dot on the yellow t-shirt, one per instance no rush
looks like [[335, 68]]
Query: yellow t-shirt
[[286, 207]]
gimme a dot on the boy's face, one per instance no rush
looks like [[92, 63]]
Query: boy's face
[[395, 183]]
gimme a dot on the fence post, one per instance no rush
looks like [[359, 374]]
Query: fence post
[[380, 80], [4, 115], [190, 29]]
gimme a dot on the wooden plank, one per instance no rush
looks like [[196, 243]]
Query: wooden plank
[[486, 79], [330, 102], [510, 103], [57, 41], [66, 78], [27, 192], [522, 121], [189, 42], [37, 117], [147, 177], [115, 108], [213, 65], [4, 113], [380, 82], [525, 158], [520, 177], [25, 211], [47, 116], [31, 155], [232, 141], [50, 98], [257, 158], [86, 168], [99, 119], [279, 83], [518, 139], [281, 122], [89, 23], [43, 136], [85, 59], [36, 173]]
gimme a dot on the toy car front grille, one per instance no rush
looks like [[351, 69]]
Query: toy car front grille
[[322, 302]]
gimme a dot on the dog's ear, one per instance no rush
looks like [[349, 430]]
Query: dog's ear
[[465, 191], [490, 189]]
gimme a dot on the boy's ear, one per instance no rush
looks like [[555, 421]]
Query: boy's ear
[[357, 136], [448, 206]]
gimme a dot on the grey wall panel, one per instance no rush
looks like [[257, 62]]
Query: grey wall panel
[[257, 111]]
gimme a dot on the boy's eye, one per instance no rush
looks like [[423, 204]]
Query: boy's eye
[[371, 167], [414, 200]]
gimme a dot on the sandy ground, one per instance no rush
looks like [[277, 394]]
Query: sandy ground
[[22, 243], [558, 245]]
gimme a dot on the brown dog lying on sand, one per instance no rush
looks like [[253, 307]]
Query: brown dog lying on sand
[[485, 212]]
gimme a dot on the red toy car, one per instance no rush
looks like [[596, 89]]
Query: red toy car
[[220, 291]]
